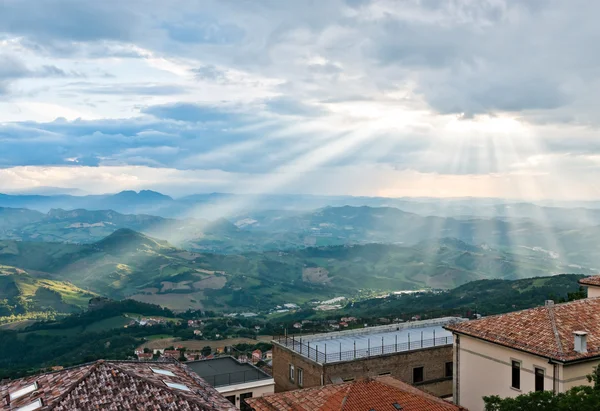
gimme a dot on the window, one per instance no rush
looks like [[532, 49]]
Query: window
[[177, 386], [33, 406], [243, 405], [417, 374], [162, 372], [385, 373], [300, 377], [539, 379], [231, 399], [516, 375], [23, 391], [449, 369], [292, 372]]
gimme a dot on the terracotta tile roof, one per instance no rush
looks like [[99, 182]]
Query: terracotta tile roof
[[593, 280], [379, 394], [546, 331], [116, 385]]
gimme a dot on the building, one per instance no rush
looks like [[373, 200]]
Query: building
[[552, 347], [269, 355], [256, 356], [113, 385], [175, 354], [192, 356], [418, 353], [145, 356], [592, 284], [236, 381], [381, 394]]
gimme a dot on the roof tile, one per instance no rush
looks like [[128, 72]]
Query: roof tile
[[593, 280], [116, 385], [546, 331], [363, 395]]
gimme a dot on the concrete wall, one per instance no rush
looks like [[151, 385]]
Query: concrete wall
[[486, 369], [253, 387], [575, 374], [593, 291], [399, 365]]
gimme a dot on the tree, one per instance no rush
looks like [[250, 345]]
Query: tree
[[582, 398], [206, 351]]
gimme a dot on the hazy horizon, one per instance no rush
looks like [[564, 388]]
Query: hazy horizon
[[60, 191]]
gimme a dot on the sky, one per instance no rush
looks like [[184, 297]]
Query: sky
[[437, 98]]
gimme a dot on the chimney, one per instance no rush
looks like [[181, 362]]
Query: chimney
[[549, 303], [580, 341]]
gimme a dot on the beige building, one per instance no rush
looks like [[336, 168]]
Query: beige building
[[553, 347]]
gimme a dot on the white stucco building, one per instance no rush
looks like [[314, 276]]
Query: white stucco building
[[553, 347]]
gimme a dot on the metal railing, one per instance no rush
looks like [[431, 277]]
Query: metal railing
[[238, 377], [318, 351]]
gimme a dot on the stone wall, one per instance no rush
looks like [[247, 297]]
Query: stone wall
[[282, 358], [398, 365]]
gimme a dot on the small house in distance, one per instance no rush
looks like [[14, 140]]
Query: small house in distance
[[256, 356], [175, 354], [145, 356]]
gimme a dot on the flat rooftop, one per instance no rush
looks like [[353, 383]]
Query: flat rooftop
[[223, 371], [371, 341]]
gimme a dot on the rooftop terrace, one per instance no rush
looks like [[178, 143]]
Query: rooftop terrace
[[371, 341], [224, 371]]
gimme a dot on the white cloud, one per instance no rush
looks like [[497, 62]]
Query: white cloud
[[481, 95]]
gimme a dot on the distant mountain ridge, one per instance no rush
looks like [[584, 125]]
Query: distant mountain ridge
[[211, 205], [129, 201], [330, 226]]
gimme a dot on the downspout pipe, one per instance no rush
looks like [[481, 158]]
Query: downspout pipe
[[554, 375]]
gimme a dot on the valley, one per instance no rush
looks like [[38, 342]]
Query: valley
[[128, 264]]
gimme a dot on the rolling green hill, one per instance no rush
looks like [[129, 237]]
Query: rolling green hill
[[330, 226], [485, 297], [130, 264], [23, 296]]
